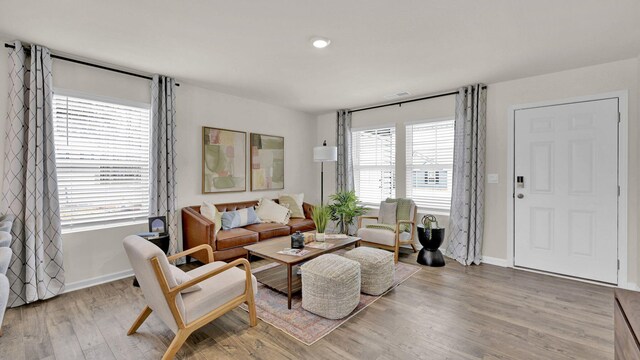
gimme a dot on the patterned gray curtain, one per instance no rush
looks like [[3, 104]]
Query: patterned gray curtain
[[344, 166], [30, 189], [466, 223], [163, 154]]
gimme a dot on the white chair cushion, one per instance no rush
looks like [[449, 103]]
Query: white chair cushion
[[216, 290], [381, 236], [182, 277], [5, 259], [5, 239]]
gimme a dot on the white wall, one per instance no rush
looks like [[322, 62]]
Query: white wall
[[621, 75], [91, 255]]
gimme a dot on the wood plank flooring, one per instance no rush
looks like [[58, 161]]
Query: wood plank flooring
[[455, 312]]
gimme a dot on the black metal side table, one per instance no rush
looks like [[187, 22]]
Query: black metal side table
[[431, 239], [163, 243]]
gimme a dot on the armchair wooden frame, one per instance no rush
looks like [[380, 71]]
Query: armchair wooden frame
[[398, 242], [170, 294]]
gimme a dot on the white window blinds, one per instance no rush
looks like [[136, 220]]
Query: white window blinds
[[430, 163], [374, 156], [102, 157]]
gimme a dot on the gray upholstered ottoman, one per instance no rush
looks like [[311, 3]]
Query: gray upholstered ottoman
[[377, 269], [330, 286]]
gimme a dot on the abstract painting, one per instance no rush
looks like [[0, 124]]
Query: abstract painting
[[224, 159], [267, 162]]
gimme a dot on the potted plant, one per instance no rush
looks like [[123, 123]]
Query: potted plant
[[320, 216], [345, 209]]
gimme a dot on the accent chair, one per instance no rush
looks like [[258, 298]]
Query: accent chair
[[391, 236], [223, 287]]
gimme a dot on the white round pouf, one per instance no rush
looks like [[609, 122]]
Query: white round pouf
[[377, 269], [330, 286]]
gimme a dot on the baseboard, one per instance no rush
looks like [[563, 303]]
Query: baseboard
[[632, 286], [494, 261], [98, 280]]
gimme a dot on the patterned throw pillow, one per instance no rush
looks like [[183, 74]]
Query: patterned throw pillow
[[294, 202], [239, 218], [210, 211], [270, 211]]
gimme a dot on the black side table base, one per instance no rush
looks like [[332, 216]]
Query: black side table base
[[430, 258]]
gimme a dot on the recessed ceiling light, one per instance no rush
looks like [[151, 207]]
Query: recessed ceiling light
[[320, 42]]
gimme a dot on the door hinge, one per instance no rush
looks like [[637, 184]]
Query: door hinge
[[619, 116], [618, 264], [618, 190]]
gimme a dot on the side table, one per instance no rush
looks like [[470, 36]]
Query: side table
[[163, 243]]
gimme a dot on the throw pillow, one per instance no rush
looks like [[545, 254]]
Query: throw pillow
[[239, 218], [270, 211], [294, 202], [387, 213], [182, 277], [210, 211]]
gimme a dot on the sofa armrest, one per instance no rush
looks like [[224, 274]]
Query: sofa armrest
[[196, 229], [308, 209]]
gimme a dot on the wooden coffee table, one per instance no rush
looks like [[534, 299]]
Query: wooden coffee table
[[282, 278]]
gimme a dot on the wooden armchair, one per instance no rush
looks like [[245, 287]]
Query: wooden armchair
[[389, 240], [223, 288]]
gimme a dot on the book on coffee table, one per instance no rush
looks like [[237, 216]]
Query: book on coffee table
[[294, 252], [319, 245], [335, 236]]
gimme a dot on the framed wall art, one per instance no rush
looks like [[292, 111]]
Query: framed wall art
[[267, 162], [224, 160]]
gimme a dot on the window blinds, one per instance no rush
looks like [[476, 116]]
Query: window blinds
[[430, 163], [102, 157], [374, 153]]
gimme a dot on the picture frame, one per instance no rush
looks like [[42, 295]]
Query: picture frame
[[158, 224], [224, 160], [267, 162]]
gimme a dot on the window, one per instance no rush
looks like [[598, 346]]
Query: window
[[102, 156], [374, 157], [429, 163]]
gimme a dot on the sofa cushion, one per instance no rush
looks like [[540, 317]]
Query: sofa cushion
[[269, 230], [227, 239], [301, 225]]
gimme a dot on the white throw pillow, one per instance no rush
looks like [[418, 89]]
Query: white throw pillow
[[210, 211], [294, 202], [182, 277], [270, 211]]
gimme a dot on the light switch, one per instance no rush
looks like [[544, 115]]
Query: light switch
[[492, 178]]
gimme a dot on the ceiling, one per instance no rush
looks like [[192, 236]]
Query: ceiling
[[261, 49]]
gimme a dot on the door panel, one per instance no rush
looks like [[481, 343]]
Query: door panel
[[566, 209]]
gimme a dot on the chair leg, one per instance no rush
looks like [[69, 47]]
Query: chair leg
[[176, 344], [253, 317], [141, 318]]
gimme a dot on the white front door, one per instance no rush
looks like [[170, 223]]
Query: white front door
[[566, 189]]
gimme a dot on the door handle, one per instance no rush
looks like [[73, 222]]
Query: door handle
[[520, 196]]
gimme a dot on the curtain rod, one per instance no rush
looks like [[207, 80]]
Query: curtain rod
[[399, 103], [91, 64]]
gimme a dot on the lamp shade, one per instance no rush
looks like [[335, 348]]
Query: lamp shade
[[325, 153]]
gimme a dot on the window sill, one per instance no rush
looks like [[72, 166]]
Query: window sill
[[103, 226]]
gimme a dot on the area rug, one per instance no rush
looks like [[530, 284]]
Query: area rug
[[302, 325]]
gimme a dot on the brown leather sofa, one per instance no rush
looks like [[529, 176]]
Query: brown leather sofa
[[228, 244]]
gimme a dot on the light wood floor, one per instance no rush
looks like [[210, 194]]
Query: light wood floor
[[478, 312]]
